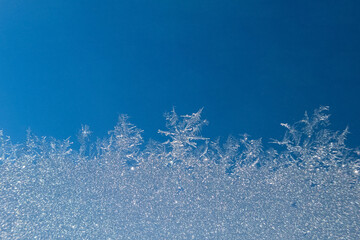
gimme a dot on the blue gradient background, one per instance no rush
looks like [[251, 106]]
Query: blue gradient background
[[251, 64]]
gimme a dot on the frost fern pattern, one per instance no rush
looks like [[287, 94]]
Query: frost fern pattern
[[306, 186]]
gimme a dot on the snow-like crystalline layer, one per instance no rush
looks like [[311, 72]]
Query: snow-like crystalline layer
[[188, 187]]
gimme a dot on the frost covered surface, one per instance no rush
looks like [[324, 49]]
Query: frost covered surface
[[189, 187]]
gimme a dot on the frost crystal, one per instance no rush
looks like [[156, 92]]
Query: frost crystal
[[184, 134], [189, 187]]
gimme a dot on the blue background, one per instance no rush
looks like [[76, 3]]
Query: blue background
[[251, 64]]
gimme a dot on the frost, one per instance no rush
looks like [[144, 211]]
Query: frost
[[308, 142], [184, 134], [83, 138], [123, 143], [189, 187]]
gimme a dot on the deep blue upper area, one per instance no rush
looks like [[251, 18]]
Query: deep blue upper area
[[251, 64]]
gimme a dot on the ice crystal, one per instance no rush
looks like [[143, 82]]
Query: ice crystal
[[189, 187]]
